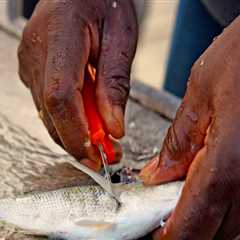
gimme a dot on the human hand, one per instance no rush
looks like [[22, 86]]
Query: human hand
[[61, 39], [202, 143]]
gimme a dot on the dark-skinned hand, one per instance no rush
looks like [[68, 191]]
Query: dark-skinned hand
[[203, 143], [61, 39]]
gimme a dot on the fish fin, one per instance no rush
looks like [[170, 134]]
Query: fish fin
[[95, 225]]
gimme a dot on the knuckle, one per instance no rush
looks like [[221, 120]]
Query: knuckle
[[171, 143], [54, 98], [178, 144], [118, 89], [116, 79]]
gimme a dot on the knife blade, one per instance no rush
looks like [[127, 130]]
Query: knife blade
[[98, 134], [105, 165]]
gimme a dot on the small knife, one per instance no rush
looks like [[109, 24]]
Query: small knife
[[104, 160], [99, 135]]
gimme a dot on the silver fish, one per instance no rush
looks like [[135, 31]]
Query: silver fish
[[90, 213]]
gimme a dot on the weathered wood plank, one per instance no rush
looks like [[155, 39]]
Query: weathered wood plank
[[159, 101]]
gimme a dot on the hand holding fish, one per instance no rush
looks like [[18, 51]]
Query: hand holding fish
[[59, 41], [202, 143]]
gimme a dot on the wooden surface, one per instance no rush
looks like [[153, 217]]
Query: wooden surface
[[159, 101]]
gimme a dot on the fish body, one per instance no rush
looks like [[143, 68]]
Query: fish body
[[90, 213]]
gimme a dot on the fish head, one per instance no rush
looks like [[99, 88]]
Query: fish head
[[143, 208]]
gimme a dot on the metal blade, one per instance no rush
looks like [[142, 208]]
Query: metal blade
[[103, 182], [105, 165]]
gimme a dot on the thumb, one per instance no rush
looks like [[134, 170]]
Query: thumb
[[184, 139], [113, 71]]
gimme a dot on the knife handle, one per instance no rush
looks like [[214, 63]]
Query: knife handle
[[98, 133]]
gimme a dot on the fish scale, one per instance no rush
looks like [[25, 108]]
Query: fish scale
[[89, 212]]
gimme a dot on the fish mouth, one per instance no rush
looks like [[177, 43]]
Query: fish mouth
[[125, 175]]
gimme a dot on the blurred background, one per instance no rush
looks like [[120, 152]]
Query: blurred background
[[156, 30], [173, 34], [154, 43]]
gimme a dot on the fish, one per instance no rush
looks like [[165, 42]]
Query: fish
[[90, 213]]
